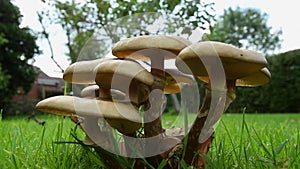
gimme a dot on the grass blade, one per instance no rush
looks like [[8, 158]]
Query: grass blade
[[261, 143], [280, 147], [232, 143], [162, 164]]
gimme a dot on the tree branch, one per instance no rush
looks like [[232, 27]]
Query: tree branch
[[46, 35]]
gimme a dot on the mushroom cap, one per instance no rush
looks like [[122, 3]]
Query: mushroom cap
[[175, 132], [126, 76], [236, 62], [255, 79], [175, 79], [114, 113], [88, 141], [121, 71], [93, 91], [133, 48], [82, 72]]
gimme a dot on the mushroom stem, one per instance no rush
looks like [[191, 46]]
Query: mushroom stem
[[154, 127], [194, 145], [108, 158], [127, 143], [105, 94], [101, 139]]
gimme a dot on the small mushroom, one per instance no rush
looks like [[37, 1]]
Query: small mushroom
[[113, 113], [94, 91], [175, 132], [126, 76], [156, 49], [90, 91], [81, 72], [240, 67]]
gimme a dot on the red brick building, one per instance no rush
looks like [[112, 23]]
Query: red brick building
[[43, 87]]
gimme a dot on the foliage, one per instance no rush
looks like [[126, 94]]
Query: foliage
[[4, 79], [246, 27], [281, 94], [80, 20], [284, 88], [21, 107], [17, 48]]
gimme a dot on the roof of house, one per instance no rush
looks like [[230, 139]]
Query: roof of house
[[44, 79]]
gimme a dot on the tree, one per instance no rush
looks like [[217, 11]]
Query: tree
[[80, 20], [17, 48], [4, 79], [245, 28], [284, 88]]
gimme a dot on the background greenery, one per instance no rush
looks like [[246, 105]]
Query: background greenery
[[17, 49], [282, 94]]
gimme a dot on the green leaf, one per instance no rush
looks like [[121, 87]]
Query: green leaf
[[280, 147], [162, 164], [183, 164]]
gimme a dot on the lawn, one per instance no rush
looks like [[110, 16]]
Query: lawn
[[241, 141]]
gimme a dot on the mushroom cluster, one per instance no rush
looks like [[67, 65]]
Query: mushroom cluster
[[122, 95]]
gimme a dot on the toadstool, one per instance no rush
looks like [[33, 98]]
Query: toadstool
[[82, 72], [126, 76], [239, 66], [154, 49], [75, 106]]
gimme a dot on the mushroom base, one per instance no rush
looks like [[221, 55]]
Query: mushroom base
[[194, 147]]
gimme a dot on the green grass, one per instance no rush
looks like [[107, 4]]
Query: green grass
[[250, 141], [257, 141], [26, 144]]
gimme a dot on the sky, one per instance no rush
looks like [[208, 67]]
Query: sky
[[283, 15]]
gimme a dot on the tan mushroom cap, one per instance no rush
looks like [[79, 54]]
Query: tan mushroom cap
[[236, 62], [82, 72], [255, 79], [93, 91], [74, 106], [127, 76], [129, 48], [121, 71], [175, 79], [175, 132]]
